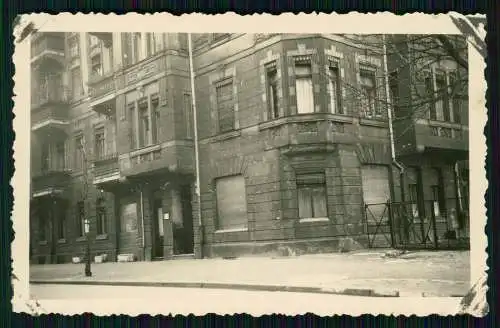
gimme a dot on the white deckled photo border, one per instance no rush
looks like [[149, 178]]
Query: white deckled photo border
[[352, 23]]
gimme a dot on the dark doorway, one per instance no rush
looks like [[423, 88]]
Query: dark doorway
[[157, 228], [184, 235]]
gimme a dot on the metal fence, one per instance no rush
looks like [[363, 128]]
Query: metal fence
[[408, 225]]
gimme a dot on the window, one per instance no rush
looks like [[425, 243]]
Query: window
[[127, 49], [189, 115], [96, 65], [101, 217], [304, 87], [368, 94], [132, 125], [441, 104], [225, 105], [413, 189], [74, 49], [429, 87], [79, 156], [334, 89], [154, 43], [155, 110], [80, 219], [394, 89], [76, 82], [231, 203], [45, 157], [272, 91], [456, 98], [136, 50], [311, 191], [144, 124], [60, 156], [99, 143]]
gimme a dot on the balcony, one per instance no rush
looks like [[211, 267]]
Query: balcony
[[102, 90], [106, 37], [49, 107], [106, 170], [50, 181], [446, 139], [48, 47], [171, 157]]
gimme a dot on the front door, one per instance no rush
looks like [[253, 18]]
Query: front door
[[158, 229], [183, 233]]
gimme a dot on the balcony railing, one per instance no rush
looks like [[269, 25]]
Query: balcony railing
[[100, 85], [48, 43], [106, 166], [50, 91], [53, 177]]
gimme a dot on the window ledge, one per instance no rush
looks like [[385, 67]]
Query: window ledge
[[231, 230], [83, 238], [305, 118], [378, 122], [306, 220], [42, 242], [226, 135], [102, 236], [62, 241]]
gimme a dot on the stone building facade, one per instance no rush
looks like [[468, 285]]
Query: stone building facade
[[293, 143]]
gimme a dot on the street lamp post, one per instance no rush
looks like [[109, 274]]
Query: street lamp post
[[88, 272]]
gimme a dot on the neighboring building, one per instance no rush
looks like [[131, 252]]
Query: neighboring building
[[293, 142]]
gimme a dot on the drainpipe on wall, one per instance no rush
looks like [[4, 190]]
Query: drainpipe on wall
[[142, 223], [389, 117], [196, 146]]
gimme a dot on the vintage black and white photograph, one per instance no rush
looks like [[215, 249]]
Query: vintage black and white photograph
[[285, 172]]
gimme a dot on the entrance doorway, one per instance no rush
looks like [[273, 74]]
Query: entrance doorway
[[184, 234], [158, 228]]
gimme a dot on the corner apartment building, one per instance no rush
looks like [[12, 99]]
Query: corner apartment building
[[293, 142]]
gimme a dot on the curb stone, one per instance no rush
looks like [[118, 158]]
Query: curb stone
[[248, 287]]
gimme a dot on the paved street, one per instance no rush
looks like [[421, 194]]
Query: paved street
[[136, 300], [432, 273]]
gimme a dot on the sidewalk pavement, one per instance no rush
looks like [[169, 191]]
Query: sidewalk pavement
[[364, 273]]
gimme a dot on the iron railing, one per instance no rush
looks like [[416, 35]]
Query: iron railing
[[429, 224]]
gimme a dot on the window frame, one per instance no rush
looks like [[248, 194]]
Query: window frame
[[229, 83], [76, 79], [310, 188], [99, 142], [369, 94], [304, 62], [101, 217], [272, 90], [334, 88], [221, 224]]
